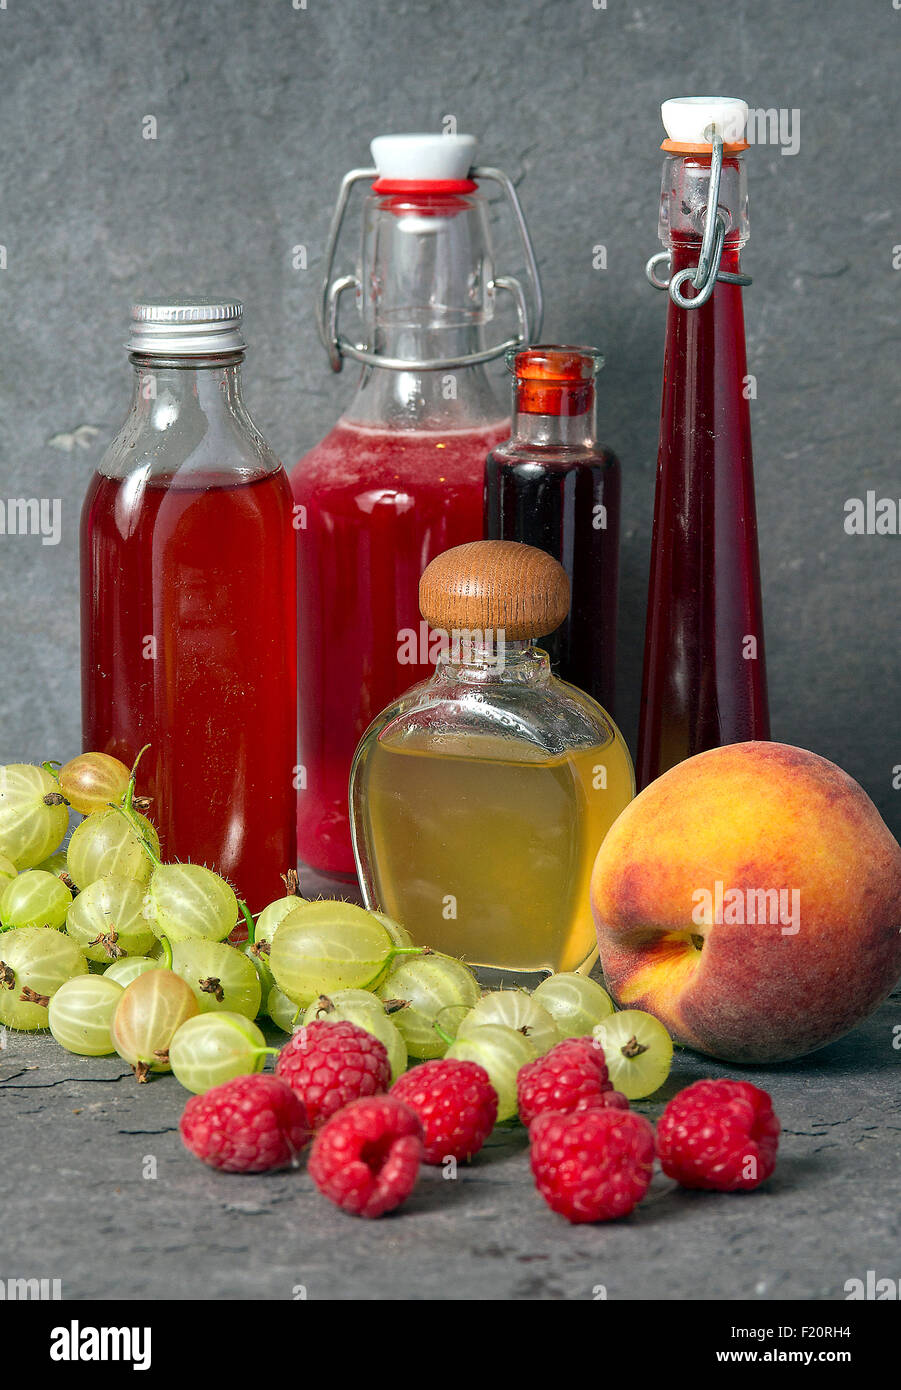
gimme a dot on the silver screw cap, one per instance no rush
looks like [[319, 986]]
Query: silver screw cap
[[189, 327]]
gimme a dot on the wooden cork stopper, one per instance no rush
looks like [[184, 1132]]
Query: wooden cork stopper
[[495, 585]]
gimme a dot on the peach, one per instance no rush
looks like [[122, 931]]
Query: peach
[[750, 898]]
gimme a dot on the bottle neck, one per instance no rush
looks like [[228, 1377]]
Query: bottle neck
[[162, 386], [489, 658], [705, 359], [684, 197], [426, 281], [575, 427]]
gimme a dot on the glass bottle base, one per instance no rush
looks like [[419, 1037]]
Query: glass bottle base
[[509, 977]]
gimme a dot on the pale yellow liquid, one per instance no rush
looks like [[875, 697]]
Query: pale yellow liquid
[[484, 849]]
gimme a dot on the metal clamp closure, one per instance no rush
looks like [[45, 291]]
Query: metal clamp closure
[[338, 347], [706, 273]]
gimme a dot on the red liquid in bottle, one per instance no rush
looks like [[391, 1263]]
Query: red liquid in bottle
[[379, 505], [702, 686], [203, 569]]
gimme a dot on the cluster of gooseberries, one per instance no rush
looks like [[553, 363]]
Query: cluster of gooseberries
[[118, 952]]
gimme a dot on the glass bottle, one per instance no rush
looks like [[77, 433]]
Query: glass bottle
[[188, 592], [551, 485], [704, 670], [400, 477], [481, 796]]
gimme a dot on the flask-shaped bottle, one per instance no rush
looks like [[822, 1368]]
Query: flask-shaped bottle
[[480, 798]]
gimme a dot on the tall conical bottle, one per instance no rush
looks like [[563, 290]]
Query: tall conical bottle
[[704, 671], [399, 479]]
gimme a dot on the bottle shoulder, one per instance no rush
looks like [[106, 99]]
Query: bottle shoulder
[[189, 445], [528, 459], [361, 456], [495, 720]]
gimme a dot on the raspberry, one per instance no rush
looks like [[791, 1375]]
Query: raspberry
[[615, 1100], [247, 1125], [366, 1158], [330, 1064], [572, 1076], [593, 1164], [720, 1135], [456, 1104]]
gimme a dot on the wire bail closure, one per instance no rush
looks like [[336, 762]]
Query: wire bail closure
[[338, 347], [705, 275]]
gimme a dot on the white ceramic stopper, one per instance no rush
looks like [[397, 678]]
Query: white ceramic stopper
[[423, 157], [688, 120]]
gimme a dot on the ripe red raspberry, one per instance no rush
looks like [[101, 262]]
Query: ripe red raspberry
[[572, 1076], [366, 1158], [330, 1064], [593, 1164], [615, 1100], [456, 1104], [247, 1125], [720, 1135]]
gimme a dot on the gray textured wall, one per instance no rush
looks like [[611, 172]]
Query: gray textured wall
[[260, 109]]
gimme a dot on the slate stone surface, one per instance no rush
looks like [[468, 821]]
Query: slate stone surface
[[80, 1135]]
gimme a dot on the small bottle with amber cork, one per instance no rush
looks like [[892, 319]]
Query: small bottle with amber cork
[[479, 799], [553, 486]]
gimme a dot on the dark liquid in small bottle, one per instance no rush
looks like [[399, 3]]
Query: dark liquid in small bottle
[[550, 485], [571, 510]]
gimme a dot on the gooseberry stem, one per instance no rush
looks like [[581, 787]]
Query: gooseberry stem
[[248, 918], [398, 951], [130, 789], [167, 954], [130, 815], [52, 765]]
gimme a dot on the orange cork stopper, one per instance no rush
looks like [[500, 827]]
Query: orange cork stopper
[[555, 380]]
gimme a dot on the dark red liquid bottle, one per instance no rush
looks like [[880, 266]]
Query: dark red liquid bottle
[[188, 606], [704, 670], [400, 477], [552, 486]]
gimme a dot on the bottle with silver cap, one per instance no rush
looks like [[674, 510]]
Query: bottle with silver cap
[[400, 477], [188, 602], [704, 673]]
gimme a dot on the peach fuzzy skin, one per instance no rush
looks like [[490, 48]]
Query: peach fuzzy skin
[[753, 816]]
